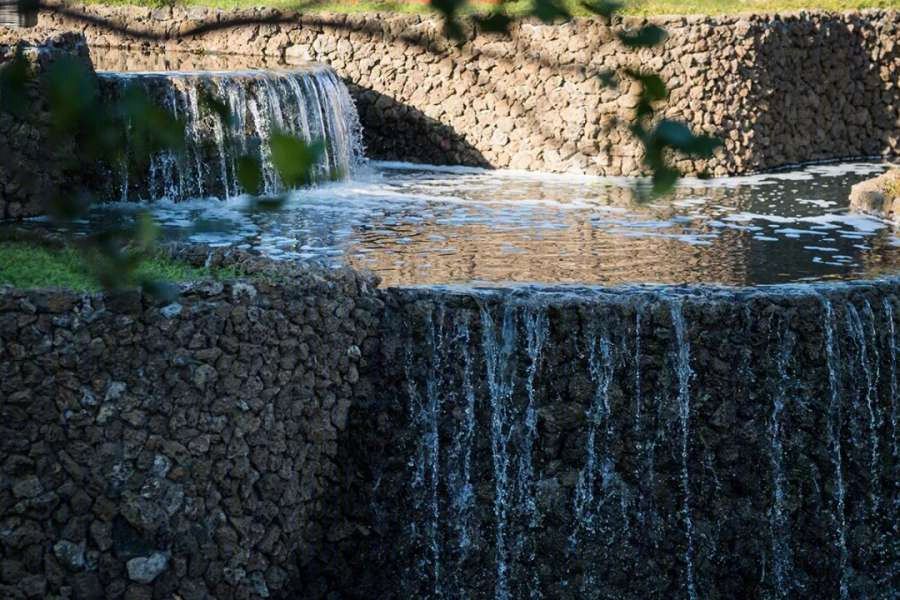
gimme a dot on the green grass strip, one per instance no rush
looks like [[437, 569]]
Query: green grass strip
[[28, 266]]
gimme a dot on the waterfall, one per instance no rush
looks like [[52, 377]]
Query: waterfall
[[581, 444], [312, 104], [781, 551], [834, 423], [892, 350], [683, 361]]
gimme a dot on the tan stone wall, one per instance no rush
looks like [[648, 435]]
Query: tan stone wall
[[778, 89]]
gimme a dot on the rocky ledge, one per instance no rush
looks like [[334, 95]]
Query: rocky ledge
[[878, 196]]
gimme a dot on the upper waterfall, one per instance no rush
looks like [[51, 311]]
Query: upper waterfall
[[311, 103]]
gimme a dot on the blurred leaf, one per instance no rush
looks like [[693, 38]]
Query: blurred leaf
[[268, 203], [161, 290], [70, 206], [294, 158], [677, 135], [146, 231], [646, 37], [249, 174], [550, 11], [152, 128], [13, 77], [496, 22], [608, 79], [212, 104], [604, 8], [664, 179], [674, 134], [449, 9], [704, 145], [72, 93], [652, 85]]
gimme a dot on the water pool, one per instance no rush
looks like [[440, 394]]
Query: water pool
[[421, 225]]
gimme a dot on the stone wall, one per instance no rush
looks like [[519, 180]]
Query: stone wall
[[779, 89], [178, 450], [33, 168], [306, 435], [628, 444]]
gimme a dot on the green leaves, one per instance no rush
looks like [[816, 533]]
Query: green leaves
[[652, 90], [449, 9], [550, 11], [671, 135], [674, 134], [249, 174], [13, 77], [645, 37], [653, 87], [294, 158], [151, 127], [72, 94], [495, 22], [603, 8]]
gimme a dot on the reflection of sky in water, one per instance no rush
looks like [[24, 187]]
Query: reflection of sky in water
[[415, 224]]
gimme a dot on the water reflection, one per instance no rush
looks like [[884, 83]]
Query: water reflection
[[415, 225]]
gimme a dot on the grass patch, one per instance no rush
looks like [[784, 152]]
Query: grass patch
[[29, 267], [891, 184], [633, 7]]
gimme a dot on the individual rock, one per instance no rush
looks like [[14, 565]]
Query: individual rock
[[27, 488], [144, 569], [86, 586], [70, 554], [878, 195], [171, 311]]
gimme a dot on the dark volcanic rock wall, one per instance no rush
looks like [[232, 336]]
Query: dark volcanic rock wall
[[34, 169], [631, 444], [779, 89], [309, 436], [179, 450]]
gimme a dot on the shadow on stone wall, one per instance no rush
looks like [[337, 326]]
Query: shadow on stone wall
[[779, 89], [840, 102], [393, 130]]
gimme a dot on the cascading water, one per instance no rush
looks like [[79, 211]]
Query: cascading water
[[649, 443], [312, 104]]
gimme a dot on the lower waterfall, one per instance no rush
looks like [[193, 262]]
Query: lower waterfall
[[636, 443]]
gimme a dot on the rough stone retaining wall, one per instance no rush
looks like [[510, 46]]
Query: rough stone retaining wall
[[305, 435], [152, 451], [33, 169], [630, 444], [779, 89]]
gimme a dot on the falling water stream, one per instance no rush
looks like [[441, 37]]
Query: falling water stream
[[310, 103], [540, 475]]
